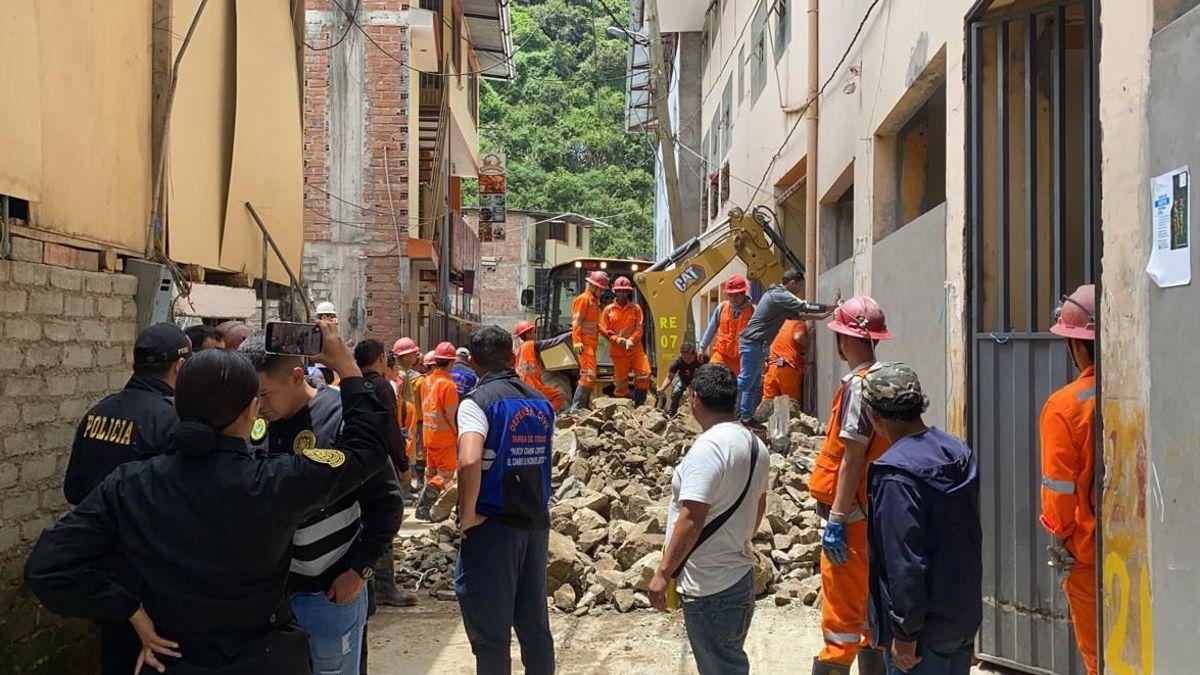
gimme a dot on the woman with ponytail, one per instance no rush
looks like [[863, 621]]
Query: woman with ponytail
[[193, 547]]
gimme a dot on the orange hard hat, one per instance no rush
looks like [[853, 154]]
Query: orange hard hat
[[622, 284], [599, 279], [404, 346], [445, 352], [430, 358], [522, 328], [860, 317], [736, 284], [1075, 316]]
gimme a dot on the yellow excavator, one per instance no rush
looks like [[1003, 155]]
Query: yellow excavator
[[668, 286]]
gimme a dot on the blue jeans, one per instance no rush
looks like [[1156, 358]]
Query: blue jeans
[[750, 378], [335, 632], [500, 581], [935, 662], [717, 625]]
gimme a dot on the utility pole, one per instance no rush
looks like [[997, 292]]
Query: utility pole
[[811, 241], [659, 86]]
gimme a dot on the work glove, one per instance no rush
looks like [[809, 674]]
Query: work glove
[[577, 347], [1060, 558], [627, 343], [834, 543]]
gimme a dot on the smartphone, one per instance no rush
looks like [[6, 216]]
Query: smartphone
[[300, 339]]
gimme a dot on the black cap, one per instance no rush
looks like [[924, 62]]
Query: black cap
[[160, 343]]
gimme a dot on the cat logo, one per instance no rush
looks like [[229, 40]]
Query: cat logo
[[109, 429], [333, 458], [305, 440], [259, 430], [692, 275]]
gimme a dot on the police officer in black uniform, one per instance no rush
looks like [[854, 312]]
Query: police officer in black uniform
[[135, 422], [193, 547]]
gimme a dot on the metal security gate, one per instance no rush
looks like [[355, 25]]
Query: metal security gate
[[1031, 187]]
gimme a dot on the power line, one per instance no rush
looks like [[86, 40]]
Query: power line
[[349, 25], [820, 92]]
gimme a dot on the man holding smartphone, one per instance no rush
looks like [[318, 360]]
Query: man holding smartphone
[[333, 555]]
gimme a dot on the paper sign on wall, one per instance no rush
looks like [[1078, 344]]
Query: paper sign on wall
[[1170, 247]]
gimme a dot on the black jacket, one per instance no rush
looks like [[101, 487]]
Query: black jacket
[[378, 501], [134, 423], [397, 444], [203, 541], [925, 542]]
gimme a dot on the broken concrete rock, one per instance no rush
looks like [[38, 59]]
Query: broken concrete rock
[[564, 598]]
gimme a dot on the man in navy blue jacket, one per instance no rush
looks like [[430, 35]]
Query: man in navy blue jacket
[[925, 538]]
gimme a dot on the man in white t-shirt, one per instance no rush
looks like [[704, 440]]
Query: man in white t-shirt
[[716, 582]]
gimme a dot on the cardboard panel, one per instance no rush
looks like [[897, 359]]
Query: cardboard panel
[[20, 123], [268, 162], [200, 143], [94, 74]]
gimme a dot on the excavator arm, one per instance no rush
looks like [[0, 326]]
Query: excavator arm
[[669, 285]]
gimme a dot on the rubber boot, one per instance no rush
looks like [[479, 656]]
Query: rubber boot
[[428, 496], [583, 398], [822, 668], [870, 662], [384, 583], [639, 397]]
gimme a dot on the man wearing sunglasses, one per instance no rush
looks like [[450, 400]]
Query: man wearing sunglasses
[[1068, 466]]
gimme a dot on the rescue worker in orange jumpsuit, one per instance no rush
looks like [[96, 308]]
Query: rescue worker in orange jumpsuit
[[439, 407], [622, 323], [585, 336], [839, 484], [785, 367], [1068, 469], [529, 363], [408, 398], [725, 328]]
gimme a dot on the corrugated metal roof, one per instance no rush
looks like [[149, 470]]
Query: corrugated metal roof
[[490, 29]]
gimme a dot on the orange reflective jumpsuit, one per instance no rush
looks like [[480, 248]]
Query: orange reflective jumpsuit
[[529, 368], [439, 407], [846, 586], [406, 414], [725, 347], [414, 392], [617, 322], [585, 330], [1068, 502], [785, 369]]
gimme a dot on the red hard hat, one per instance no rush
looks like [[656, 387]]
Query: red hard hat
[[736, 284], [1075, 317], [599, 279], [444, 352], [404, 346], [622, 284], [522, 328], [430, 358], [860, 317]]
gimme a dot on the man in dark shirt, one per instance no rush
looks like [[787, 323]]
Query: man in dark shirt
[[132, 424], [333, 554], [681, 371], [372, 359], [924, 534]]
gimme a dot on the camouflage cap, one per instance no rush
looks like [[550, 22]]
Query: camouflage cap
[[893, 387]]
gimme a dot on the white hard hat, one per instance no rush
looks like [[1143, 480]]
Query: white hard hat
[[463, 352], [326, 308]]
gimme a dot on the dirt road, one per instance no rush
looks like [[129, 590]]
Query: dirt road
[[430, 638]]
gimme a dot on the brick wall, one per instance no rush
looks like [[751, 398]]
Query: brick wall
[[500, 288], [356, 111], [67, 342]]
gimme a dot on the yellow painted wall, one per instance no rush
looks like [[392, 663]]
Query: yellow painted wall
[[20, 124], [268, 166], [94, 75]]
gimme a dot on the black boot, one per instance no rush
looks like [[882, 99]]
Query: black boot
[[384, 584], [870, 662], [639, 397], [822, 668], [428, 496]]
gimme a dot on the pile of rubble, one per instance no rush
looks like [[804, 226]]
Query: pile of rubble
[[612, 475], [613, 471]]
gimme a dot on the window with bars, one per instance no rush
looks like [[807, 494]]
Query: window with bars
[[758, 51], [783, 28]]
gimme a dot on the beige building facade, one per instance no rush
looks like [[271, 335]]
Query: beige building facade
[[977, 160]]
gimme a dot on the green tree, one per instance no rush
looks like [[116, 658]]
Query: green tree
[[561, 122]]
